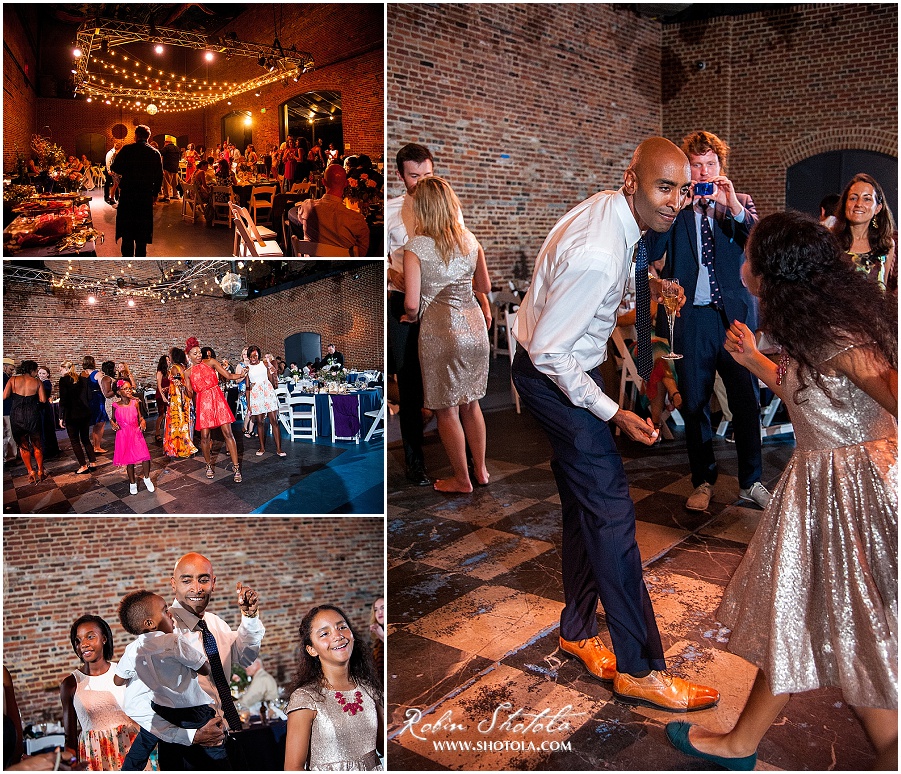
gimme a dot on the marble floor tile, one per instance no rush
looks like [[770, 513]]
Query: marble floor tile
[[485, 553]]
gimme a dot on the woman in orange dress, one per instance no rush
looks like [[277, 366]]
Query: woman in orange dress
[[210, 407]]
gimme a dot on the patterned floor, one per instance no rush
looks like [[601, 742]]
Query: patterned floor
[[475, 596], [316, 477]]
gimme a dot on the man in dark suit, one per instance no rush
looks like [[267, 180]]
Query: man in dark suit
[[705, 252], [141, 169]]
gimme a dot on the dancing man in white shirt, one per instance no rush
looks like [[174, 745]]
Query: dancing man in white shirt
[[563, 327]]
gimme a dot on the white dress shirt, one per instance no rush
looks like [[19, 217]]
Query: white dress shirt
[[570, 311], [241, 647], [167, 665]]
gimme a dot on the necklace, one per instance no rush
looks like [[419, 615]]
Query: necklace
[[352, 707]]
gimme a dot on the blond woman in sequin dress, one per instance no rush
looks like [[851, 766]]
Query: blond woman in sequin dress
[[814, 602], [443, 265], [335, 720]]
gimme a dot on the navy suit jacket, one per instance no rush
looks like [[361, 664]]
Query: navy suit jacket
[[680, 244]]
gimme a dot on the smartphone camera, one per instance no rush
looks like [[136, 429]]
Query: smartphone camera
[[703, 189]]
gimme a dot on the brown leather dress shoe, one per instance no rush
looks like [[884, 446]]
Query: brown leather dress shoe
[[664, 691], [597, 657]]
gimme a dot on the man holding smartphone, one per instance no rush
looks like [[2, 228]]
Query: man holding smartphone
[[705, 252]]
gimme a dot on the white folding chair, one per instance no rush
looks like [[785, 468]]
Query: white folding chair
[[189, 201], [257, 233], [303, 417], [256, 248], [284, 407], [261, 198], [378, 422], [501, 301], [509, 319], [150, 401], [222, 214], [318, 249], [331, 416]]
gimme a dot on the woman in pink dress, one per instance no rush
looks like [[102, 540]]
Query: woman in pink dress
[[191, 159], [210, 407], [131, 448]]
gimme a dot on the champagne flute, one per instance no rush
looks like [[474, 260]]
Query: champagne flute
[[671, 293]]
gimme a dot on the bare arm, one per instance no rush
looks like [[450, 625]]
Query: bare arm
[[8, 390], [297, 742], [742, 345], [481, 281], [870, 372], [42, 395], [119, 680], [70, 719], [413, 286], [218, 368], [159, 387], [205, 669]]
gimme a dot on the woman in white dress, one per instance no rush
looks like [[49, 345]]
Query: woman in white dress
[[262, 401]]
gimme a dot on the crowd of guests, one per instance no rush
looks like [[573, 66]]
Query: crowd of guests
[[189, 397], [824, 296], [168, 700]]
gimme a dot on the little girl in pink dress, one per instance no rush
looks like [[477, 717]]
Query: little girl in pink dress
[[131, 448]]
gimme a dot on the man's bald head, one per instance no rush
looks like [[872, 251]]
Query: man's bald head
[[193, 582], [656, 183], [335, 179]]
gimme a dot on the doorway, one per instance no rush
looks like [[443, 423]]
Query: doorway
[[237, 128], [315, 115]]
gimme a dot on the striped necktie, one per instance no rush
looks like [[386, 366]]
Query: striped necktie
[[219, 678], [645, 362]]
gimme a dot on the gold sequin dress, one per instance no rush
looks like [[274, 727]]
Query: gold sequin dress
[[341, 740], [814, 602], [453, 338]]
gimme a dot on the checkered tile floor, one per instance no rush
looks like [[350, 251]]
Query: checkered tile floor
[[309, 480], [474, 600]]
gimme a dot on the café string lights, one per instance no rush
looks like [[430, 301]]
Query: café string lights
[[142, 84]]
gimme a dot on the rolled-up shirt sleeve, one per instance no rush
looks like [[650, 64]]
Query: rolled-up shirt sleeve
[[246, 647]]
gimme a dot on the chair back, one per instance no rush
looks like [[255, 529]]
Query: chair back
[[303, 417], [350, 423], [262, 194], [150, 401], [378, 422], [221, 211], [509, 319], [318, 249]]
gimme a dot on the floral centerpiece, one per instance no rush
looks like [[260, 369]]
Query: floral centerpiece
[[331, 371], [295, 374], [362, 194], [49, 154]]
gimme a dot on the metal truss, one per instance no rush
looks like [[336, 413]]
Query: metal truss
[[288, 63]]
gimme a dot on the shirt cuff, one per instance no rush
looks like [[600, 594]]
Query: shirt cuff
[[251, 624], [740, 218], [604, 407]]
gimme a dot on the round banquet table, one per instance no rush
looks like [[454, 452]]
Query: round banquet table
[[370, 400]]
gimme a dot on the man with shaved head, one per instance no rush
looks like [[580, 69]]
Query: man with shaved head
[[563, 326], [193, 582], [328, 221]]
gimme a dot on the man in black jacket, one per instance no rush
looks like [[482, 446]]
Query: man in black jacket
[[171, 156], [141, 169]]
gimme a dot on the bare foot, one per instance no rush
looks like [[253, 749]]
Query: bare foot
[[481, 477], [452, 485]]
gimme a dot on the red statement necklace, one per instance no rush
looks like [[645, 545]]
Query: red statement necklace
[[353, 707]]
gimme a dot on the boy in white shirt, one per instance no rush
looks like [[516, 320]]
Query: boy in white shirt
[[167, 664]]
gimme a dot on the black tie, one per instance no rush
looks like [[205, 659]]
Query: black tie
[[716, 298], [219, 678], [645, 362]]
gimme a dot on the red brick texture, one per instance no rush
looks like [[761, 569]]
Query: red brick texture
[[529, 109], [781, 86], [51, 327], [347, 44], [57, 569]]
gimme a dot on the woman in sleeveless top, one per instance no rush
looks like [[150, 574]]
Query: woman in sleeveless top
[[443, 264], [25, 417]]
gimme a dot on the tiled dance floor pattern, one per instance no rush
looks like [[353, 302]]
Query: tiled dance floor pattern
[[475, 595], [313, 478]]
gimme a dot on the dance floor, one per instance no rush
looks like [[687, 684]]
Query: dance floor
[[314, 478], [476, 593]]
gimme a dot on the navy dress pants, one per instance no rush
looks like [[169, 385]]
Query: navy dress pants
[[600, 555]]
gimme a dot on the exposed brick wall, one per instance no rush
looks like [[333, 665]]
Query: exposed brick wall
[[19, 81], [784, 85], [53, 327], [55, 570], [346, 41], [528, 108]]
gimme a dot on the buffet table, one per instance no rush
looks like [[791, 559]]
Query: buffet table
[[51, 225]]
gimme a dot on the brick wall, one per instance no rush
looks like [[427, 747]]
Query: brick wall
[[19, 81], [780, 86], [346, 41], [56, 570], [51, 327], [528, 108]]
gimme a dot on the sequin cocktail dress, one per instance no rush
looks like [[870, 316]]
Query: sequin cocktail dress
[[453, 338], [815, 601]]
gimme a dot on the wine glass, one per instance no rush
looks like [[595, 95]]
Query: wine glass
[[671, 293]]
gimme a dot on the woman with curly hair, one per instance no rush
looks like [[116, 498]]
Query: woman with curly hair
[[864, 226], [336, 682], [814, 602]]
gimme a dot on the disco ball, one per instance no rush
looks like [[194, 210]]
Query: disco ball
[[152, 109], [231, 284]]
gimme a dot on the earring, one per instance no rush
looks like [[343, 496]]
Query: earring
[[873, 223]]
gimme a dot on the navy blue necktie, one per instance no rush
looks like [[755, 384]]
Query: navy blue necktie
[[645, 362], [716, 298], [219, 678]]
